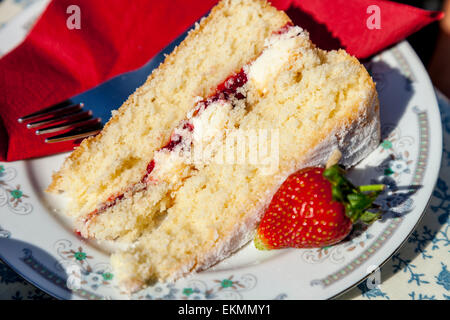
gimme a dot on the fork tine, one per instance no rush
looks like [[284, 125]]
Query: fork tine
[[55, 110], [78, 133], [64, 126], [77, 115]]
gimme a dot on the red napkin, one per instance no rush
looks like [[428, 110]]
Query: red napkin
[[55, 63]]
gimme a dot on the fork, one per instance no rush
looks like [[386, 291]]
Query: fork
[[85, 114]]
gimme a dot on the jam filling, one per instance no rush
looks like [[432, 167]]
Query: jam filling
[[284, 29], [224, 91]]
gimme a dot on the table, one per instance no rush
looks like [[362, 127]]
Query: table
[[419, 271]]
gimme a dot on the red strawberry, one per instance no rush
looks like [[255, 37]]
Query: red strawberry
[[315, 207]]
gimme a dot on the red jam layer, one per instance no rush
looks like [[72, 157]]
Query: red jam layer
[[284, 29]]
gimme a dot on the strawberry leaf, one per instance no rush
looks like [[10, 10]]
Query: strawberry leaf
[[369, 217], [356, 200]]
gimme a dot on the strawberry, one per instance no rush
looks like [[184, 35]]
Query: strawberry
[[315, 207]]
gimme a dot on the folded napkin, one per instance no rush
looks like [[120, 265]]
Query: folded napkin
[[54, 62]]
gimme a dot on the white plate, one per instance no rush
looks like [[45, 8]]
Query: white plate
[[38, 243]]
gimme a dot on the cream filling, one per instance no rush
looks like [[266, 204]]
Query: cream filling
[[199, 145], [279, 49]]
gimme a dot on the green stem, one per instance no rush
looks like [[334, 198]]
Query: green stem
[[371, 187], [357, 200]]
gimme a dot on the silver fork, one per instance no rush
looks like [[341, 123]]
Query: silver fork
[[85, 114]]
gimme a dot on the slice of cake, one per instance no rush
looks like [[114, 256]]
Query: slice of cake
[[185, 169], [106, 167]]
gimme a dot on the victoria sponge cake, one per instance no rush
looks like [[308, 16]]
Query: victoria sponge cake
[[184, 170]]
